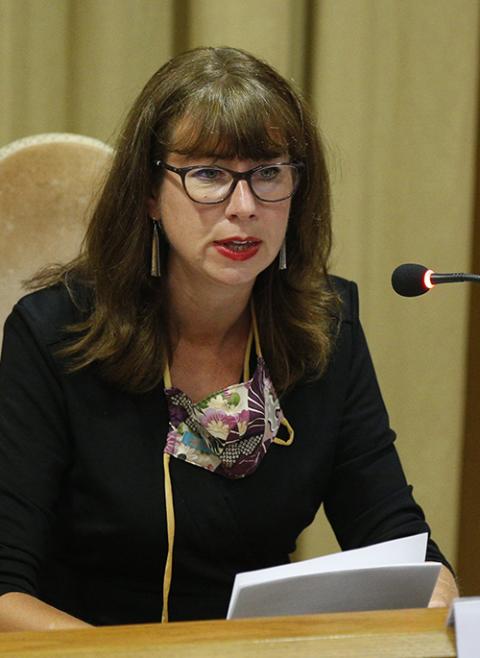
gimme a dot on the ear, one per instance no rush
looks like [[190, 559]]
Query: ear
[[152, 205]]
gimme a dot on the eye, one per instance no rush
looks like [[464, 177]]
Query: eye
[[208, 174], [268, 173]]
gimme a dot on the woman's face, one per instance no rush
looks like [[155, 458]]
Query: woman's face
[[230, 242]]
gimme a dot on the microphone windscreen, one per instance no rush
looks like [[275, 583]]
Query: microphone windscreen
[[409, 280]]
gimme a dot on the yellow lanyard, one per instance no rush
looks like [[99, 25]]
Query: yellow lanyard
[[170, 511]]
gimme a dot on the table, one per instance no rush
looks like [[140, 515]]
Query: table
[[387, 634]]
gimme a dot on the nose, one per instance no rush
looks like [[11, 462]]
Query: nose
[[241, 204]]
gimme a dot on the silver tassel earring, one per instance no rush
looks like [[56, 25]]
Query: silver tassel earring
[[155, 265], [282, 256]]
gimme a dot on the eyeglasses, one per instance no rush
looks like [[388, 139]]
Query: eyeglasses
[[212, 184]]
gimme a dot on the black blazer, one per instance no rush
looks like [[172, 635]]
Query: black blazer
[[82, 511]]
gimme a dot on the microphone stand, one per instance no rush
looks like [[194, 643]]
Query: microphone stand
[[454, 277]]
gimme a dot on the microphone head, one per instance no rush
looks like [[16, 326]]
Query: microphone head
[[409, 280]]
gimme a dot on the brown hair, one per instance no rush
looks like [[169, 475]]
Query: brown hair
[[233, 104]]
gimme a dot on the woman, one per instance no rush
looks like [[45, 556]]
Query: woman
[[177, 402]]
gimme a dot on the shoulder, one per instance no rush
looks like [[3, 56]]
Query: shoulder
[[347, 292], [47, 312]]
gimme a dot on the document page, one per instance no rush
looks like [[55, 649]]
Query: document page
[[389, 575]]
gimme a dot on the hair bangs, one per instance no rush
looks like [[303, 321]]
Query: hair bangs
[[226, 124]]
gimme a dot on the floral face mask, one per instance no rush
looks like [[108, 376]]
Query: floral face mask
[[228, 432]]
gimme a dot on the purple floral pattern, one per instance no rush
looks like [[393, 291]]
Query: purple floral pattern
[[228, 432]]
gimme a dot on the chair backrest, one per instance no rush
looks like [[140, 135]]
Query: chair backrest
[[48, 184]]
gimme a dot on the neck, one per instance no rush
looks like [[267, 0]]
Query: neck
[[207, 315]]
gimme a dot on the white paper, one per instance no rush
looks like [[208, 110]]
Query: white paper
[[465, 614], [392, 574]]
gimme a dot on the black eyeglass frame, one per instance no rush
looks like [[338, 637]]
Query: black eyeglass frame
[[236, 176]]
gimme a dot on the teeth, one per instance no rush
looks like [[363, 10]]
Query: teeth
[[239, 246]]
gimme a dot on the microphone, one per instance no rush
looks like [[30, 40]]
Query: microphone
[[411, 280]]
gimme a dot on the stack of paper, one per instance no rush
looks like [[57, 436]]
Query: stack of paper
[[389, 575]]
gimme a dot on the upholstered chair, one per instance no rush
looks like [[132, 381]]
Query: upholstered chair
[[48, 184]]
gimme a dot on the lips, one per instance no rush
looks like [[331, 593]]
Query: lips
[[238, 248]]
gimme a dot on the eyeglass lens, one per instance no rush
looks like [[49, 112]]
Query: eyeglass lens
[[269, 183]]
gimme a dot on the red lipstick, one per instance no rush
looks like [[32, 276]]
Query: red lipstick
[[238, 248]]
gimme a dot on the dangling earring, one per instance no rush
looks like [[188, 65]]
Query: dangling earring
[[282, 256], [155, 269]]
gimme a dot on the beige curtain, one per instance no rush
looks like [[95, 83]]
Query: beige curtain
[[469, 527], [394, 84]]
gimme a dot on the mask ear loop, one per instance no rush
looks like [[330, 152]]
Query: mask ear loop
[[291, 434], [283, 421], [167, 380]]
